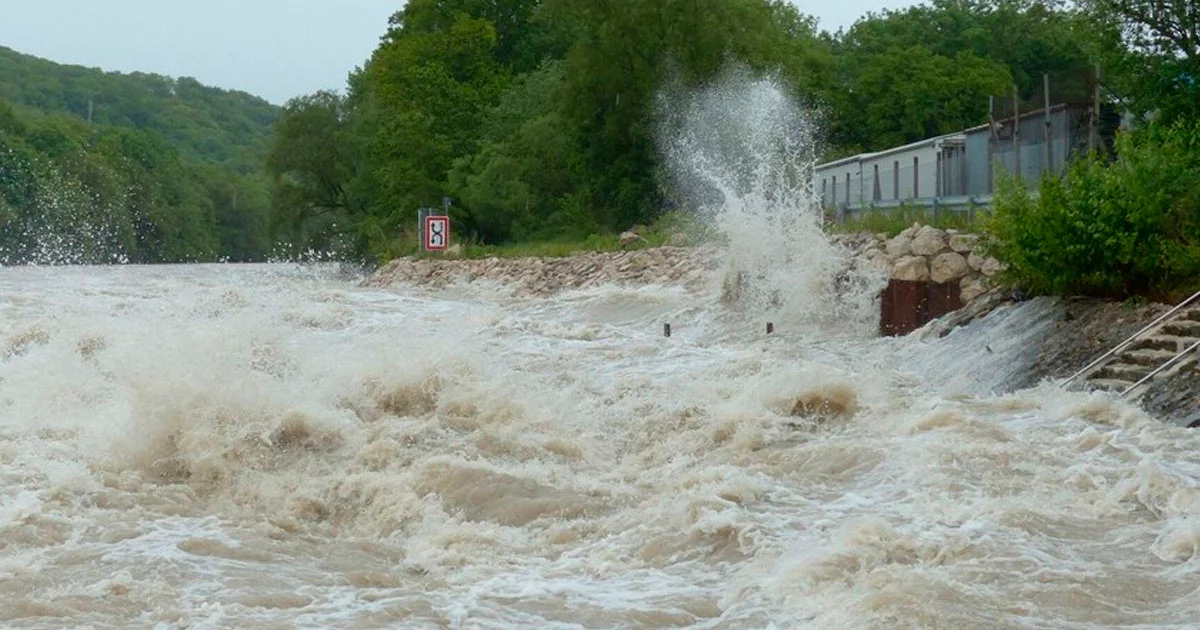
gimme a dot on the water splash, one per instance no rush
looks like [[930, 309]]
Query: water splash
[[740, 152], [57, 219]]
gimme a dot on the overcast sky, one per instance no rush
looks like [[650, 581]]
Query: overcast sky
[[276, 49]]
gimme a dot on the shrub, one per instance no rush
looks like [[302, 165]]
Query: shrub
[[1117, 228]]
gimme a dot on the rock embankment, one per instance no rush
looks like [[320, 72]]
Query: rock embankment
[[690, 267], [919, 253], [924, 253]]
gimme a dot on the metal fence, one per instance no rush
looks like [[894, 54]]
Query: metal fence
[[1034, 135]]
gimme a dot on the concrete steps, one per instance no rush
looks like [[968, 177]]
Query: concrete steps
[[1156, 346]]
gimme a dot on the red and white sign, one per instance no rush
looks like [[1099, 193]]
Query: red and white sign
[[437, 232]]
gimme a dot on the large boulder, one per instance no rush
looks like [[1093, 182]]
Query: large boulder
[[879, 259], [963, 243], [900, 246], [975, 261], [911, 268], [991, 267], [628, 238], [948, 266], [974, 287], [928, 241]]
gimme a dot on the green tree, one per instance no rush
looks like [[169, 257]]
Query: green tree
[[623, 53], [1151, 49], [427, 93], [520, 183], [941, 61], [311, 163], [904, 95]]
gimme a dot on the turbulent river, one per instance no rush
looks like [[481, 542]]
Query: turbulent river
[[278, 446], [275, 447]]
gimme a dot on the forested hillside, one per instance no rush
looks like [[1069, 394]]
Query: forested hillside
[[166, 170], [220, 126]]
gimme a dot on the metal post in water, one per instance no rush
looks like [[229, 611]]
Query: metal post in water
[[770, 327], [666, 330]]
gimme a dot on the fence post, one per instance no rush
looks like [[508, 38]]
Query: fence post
[[1016, 139], [1046, 165]]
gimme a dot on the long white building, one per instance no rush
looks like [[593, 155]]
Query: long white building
[[928, 168], [957, 167]]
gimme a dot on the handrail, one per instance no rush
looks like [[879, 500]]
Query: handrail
[[1161, 368], [1121, 346]]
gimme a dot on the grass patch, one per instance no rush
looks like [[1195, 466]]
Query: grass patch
[[892, 221]]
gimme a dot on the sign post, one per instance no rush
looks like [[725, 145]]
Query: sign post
[[421, 216]]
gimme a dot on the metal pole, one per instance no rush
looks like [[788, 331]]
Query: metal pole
[[1046, 149], [1016, 144], [991, 142], [421, 215], [1094, 127]]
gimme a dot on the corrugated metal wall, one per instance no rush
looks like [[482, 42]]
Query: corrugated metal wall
[[959, 171]]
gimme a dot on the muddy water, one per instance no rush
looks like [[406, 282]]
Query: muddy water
[[273, 447]]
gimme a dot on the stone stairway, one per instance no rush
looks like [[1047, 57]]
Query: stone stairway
[[1163, 348]]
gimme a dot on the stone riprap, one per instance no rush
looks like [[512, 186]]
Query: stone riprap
[[919, 253], [691, 267], [924, 253]]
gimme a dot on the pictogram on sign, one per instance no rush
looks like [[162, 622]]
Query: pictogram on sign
[[437, 232]]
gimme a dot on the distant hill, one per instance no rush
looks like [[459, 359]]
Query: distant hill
[[210, 124], [99, 167]]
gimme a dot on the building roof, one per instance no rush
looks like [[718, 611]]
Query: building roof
[[900, 149]]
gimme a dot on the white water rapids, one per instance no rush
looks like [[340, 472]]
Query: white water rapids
[[273, 447], [277, 447]]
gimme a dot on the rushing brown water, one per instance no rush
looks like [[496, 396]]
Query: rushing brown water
[[273, 447], [276, 447]]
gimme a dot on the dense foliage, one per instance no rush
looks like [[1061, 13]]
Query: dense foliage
[[1127, 227], [536, 117], [538, 120], [1128, 223], [167, 170], [927, 70], [217, 126], [1151, 50]]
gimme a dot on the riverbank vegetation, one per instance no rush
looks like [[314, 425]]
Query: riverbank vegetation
[[536, 118], [1126, 222], [1112, 227], [102, 167]]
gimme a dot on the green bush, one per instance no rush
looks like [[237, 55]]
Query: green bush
[[1130, 226]]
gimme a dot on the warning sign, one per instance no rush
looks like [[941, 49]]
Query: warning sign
[[437, 232]]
